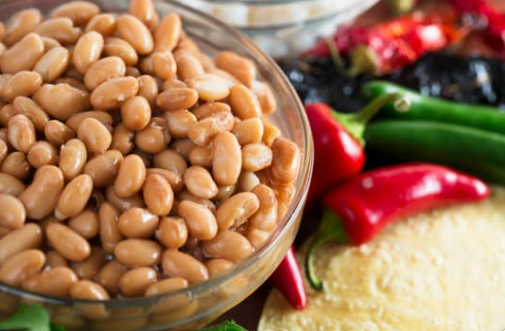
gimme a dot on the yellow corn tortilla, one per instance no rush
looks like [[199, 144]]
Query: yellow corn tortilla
[[439, 271]]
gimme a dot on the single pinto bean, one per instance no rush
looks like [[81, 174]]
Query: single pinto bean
[[112, 93], [41, 197], [74, 197], [67, 242], [256, 157], [241, 68], [110, 275], [85, 223], [90, 267], [13, 213], [135, 282], [138, 223], [136, 33], [21, 266], [236, 210], [94, 135], [144, 10], [23, 83], [53, 64], [179, 264], [244, 103], [42, 153], [138, 252], [131, 176], [210, 87], [199, 219], [29, 108], [286, 161], [121, 48], [179, 122], [27, 237], [87, 50], [110, 235], [15, 164], [62, 100], [173, 178], [11, 185], [104, 168], [80, 12], [218, 266], [20, 24], [249, 131], [55, 281], [103, 117], [228, 245], [148, 88], [199, 182], [55, 259], [166, 286], [104, 69], [177, 98], [23, 55], [227, 162], [172, 232], [105, 24], [158, 194], [168, 33], [136, 113], [60, 28], [86, 289], [164, 65], [170, 160], [122, 139], [57, 133], [73, 156], [21, 133], [154, 138], [265, 218]]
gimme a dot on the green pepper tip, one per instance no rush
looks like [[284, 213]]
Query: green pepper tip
[[330, 229]]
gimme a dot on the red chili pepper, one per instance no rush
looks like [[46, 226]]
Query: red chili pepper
[[362, 207], [495, 21], [288, 279], [338, 142], [391, 45]]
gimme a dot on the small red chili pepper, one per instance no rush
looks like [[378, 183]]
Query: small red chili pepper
[[494, 34], [338, 142], [288, 279], [362, 207], [391, 45]]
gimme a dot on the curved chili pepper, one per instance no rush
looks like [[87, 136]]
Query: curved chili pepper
[[287, 278], [362, 207], [338, 142]]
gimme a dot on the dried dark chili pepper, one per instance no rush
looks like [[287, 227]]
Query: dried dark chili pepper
[[394, 44]]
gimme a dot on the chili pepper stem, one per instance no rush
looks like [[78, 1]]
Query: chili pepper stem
[[355, 123], [363, 59], [331, 229], [336, 58]]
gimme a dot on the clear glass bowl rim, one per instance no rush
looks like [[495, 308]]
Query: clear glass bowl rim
[[301, 183]]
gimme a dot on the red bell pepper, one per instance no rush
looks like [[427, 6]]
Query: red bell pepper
[[338, 142], [362, 207], [494, 33], [288, 279]]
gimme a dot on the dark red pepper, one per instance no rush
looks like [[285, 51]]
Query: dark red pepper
[[338, 142], [288, 279], [494, 34], [363, 206], [391, 45]]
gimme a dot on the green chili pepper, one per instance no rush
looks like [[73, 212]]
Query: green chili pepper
[[439, 110], [472, 150]]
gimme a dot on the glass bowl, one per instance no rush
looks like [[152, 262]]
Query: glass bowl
[[201, 303], [282, 27]]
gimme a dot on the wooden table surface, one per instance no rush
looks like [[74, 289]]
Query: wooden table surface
[[248, 312]]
